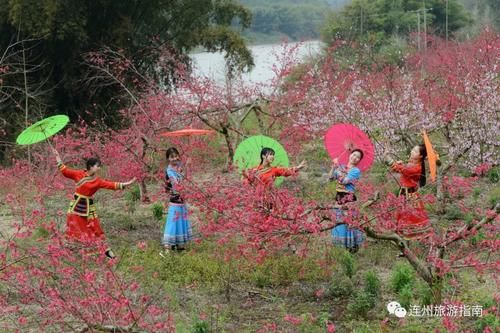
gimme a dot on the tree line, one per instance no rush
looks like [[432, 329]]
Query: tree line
[[45, 47]]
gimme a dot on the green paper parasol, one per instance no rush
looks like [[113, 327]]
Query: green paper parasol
[[247, 154], [42, 129]]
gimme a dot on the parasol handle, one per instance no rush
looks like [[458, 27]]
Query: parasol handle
[[50, 144], [48, 140], [58, 157]]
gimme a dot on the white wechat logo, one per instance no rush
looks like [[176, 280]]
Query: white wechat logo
[[396, 309]]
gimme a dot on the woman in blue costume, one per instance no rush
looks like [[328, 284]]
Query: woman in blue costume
[[346, 177], [177, 228]]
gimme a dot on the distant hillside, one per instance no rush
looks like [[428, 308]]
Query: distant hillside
[[292, 19], [337, 4], [484, 12]]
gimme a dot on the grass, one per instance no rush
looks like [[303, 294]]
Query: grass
[[329, 285]]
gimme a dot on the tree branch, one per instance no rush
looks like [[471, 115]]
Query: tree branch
[[473, 227]]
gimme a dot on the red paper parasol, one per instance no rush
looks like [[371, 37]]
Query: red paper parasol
[[187, 132], [342, 139], [432, 156]]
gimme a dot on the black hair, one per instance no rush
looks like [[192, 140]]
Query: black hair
[[360, 152], [92, 161], [171, 151], [423, 154], [264, 152]]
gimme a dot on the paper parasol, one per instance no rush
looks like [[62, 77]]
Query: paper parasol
[[432, 156], [247, 154], [42, 129], [187, 132], [342, 139]]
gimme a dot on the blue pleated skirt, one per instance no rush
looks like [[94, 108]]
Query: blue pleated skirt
[[177, 228], [345, 236]]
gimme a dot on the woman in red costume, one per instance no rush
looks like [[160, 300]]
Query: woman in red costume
[[412, 223], [82, 222], [265, 174]]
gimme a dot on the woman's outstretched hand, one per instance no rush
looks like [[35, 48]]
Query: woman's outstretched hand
[[56, 153], [302, 165], [130, 182], [388, 160]]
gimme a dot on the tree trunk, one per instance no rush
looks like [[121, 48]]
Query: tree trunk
[[230, 150], [260, 122], [143, 191]]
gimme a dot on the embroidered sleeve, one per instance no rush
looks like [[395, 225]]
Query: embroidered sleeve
[[337, 173], [407, 171], [70, 173], [109, 185], [352, 176], [284, 172]]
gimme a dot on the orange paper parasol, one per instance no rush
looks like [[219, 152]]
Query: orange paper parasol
[[187, 132], [432, 156]]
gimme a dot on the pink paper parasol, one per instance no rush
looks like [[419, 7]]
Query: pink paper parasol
[[342, 139]]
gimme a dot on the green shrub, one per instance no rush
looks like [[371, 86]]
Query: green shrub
[[372, 284], [262, 278], [348, 264], [341, 286], [494, 196], [200, 326], [405, 296], [131, 197], [454, 213], [424, 293], [480, 236], [323, 319], [361, 304], [41, 232], [133, 194], [487, 320], [490, 320], [365, 328], [402, 275], [157, 210], [493, 175]]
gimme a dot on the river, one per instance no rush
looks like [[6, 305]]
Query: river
[[212, 65]]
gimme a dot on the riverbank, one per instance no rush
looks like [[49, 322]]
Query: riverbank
[[212, 65]]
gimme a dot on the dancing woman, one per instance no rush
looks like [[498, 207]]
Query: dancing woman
[[82, 221], [413, 223], [265, 173], [346, 177], [177, 231]]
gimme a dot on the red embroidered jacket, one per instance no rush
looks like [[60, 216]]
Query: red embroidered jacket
[[266, 176], [410, 174], [87, 185]]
